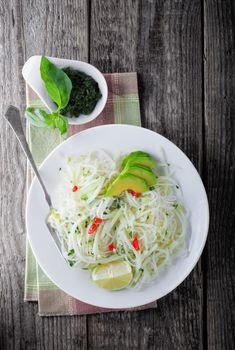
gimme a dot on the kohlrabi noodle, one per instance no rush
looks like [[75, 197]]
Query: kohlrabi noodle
[[156, 217]]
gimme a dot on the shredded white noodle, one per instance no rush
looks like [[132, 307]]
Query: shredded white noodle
[[156, 218]]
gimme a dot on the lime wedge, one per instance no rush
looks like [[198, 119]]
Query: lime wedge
[[112, 276]]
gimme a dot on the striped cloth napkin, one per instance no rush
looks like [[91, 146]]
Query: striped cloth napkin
[[123, 108]]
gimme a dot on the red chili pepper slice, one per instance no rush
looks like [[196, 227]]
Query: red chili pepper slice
[[135, 243], [92, 228], [111, 247], [97, 220], [134, 194], [75, 188]]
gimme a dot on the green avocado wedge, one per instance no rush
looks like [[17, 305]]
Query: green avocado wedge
[[126, 182], [142, 172], [143, 161], [134, 155]]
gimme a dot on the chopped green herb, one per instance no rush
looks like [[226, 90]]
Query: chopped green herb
[[71, 262], [141, 270], [151, 188], [71, 252], [175, 205], [84, 197], [118, 250], [177, 186], [84, 95]]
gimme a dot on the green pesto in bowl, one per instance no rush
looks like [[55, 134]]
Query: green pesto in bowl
[[84, 95]]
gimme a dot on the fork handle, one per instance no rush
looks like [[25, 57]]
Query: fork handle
[[12, 116]]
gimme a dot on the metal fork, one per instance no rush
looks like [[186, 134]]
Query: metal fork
[[12, 116]]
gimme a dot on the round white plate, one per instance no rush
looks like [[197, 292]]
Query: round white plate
[[116, 139]]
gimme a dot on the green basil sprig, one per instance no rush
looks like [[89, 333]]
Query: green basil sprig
[[57, 82], [42, 119], [58, 86]]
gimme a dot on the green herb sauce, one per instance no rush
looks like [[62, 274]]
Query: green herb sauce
[[84, 95]]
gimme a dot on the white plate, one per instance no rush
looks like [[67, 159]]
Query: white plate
[[116, 138], [32, 76]]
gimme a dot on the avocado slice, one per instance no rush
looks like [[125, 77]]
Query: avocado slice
[[126, 182], [139, 158], [133, 155], [143, 161], [142, 172]]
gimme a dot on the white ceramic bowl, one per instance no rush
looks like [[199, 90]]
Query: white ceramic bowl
[[116, 139], [32, 76]]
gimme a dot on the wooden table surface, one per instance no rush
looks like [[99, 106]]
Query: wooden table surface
[[184, 53]]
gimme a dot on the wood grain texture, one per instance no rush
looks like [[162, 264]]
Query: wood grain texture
[[187, 84], [12, 239], [219, 171], [28, 28], [162, 41]]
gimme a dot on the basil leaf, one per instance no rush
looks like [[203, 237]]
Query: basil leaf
[[42, 119], [57, 82], [55, 120], [37, 117], [61, 123]]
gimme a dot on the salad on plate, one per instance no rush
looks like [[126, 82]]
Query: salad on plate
[[120, 218]]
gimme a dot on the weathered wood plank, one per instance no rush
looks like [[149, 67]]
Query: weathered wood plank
[[161, 40], [27, 28], [219, 68]]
